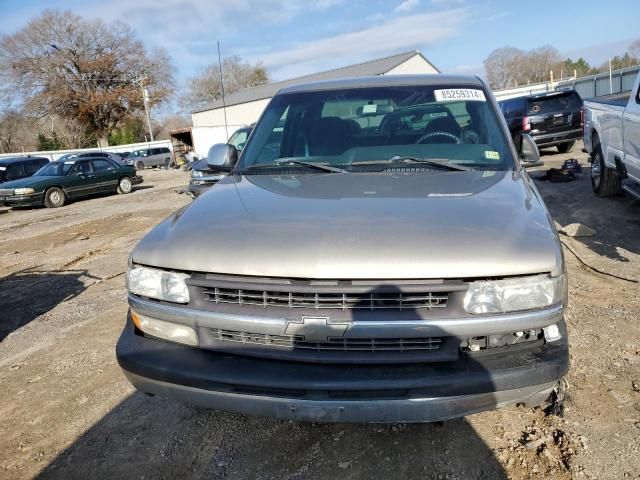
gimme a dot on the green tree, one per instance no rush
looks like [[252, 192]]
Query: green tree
[[130, 130], [51, 142], [580, 66], [618, 62]]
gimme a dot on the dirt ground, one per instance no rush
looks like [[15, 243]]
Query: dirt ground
[[66, 411]]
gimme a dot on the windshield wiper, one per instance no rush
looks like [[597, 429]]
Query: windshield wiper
[[409, 159], [426, 161], [289, 161]]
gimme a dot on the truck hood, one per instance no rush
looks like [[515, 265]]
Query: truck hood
[[360, 226]]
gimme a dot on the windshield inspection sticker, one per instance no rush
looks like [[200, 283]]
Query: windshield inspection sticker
[[491, 155], [370, 108], [455, 94]]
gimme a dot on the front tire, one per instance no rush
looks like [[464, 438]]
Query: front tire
[[124, 186], [566, 147], [604, 180], [54, 198], [139, 165]]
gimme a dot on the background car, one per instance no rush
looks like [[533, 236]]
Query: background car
[[96, 154], [58, 181], [552, 119], [149, 157], [240, 137], [20, 167], [202, 176]]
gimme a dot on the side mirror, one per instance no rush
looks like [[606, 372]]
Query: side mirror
[[528, 151], [222, 157]]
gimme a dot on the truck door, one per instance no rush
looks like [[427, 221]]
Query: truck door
[[631, 133]]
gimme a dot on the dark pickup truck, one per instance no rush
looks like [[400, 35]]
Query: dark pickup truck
[[552, 119]]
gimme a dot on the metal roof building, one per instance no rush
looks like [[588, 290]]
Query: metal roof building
[[244, 107]]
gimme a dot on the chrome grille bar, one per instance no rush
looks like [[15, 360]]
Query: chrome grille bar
[[327, 300], [333, 344]]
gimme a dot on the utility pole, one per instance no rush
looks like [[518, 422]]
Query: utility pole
[[610, 78], [224, 105], [145, 100]]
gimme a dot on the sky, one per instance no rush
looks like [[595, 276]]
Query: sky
[[296, 37]]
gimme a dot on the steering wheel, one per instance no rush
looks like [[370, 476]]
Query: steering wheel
[[438, 134]]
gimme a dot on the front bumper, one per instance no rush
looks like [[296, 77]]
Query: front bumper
[[137, 180], [413, 392], [199, 185], [551, 139], [33, 200]]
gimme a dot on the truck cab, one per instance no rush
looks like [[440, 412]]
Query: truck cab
[[377, 254]]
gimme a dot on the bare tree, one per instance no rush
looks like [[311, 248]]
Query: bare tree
[[510, 67], [164, 126], [17, 132], [62, 65], [73, 134], [535, 65], [237, 75], [502, 67], [634, 48]]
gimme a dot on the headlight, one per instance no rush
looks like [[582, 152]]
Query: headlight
[[174, 332], [23, 191], [514, 294], [160, 284], [197, 173]]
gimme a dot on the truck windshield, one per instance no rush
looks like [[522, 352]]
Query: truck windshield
[[358, 128], [54, 169]]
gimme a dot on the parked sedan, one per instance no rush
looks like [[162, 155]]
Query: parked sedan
[[56, 182]]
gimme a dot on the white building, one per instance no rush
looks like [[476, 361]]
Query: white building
[[244, 107]]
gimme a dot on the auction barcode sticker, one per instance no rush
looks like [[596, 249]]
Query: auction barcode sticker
[[455, 94]]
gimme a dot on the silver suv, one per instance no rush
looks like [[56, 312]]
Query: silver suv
[[379, 254], [149, 157]]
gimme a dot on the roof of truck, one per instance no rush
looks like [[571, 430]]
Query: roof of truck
[[386, 81]]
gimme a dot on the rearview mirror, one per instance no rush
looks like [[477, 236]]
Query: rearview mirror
[[222, 157], [528, 151]]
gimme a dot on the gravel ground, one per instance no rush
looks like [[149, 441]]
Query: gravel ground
[[67, 412]]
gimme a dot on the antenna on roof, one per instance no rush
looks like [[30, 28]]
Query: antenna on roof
[[224, 105]]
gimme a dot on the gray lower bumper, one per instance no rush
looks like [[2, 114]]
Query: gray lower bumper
[[413, 410]]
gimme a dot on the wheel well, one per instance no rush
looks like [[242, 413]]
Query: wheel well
[[595, 139], [620, 167]]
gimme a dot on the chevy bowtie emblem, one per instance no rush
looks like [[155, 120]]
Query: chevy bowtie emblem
[[316, 329]]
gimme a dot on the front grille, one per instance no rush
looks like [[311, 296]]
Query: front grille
[[6, 192], [327, 300], [334, 344]]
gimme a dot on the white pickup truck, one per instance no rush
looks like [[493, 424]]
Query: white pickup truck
[[612, 139]]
